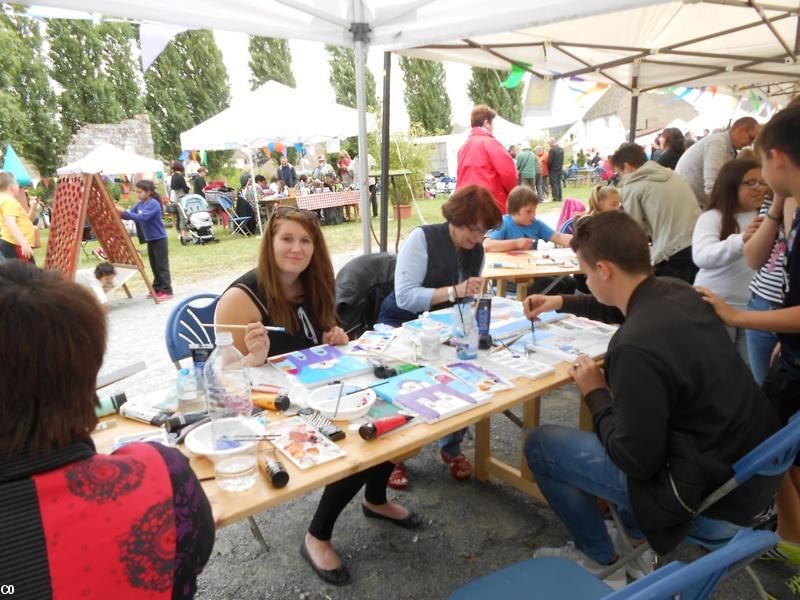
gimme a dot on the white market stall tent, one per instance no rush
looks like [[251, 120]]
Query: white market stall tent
[[273, 112], [110, 160]]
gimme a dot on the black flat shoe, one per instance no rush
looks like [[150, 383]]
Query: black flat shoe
[[340, 576], [412, 521]]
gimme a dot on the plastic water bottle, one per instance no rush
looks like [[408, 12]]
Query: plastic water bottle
[[229, 403], [191, 393], [465, 329], [227, 380], [429, 340]]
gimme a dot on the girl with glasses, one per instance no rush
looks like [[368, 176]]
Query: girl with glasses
[[721, 233]]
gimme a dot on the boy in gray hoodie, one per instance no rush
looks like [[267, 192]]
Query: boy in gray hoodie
[[663, 203]]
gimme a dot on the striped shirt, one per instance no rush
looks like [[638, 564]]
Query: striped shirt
[[768, 282]]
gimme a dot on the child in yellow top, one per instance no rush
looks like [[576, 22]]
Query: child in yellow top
[[16, 227]]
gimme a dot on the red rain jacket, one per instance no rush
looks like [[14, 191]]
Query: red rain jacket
[[482, 160]]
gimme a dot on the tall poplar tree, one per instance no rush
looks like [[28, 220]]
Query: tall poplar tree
[[484, 88], [270, 59], [187, 84], [78, 62], [124, 73], [343, 78], [427, 102], [28, 107]]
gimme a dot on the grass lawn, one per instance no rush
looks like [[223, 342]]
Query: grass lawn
[[235, 254]]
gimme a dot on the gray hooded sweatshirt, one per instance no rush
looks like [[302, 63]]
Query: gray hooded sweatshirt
[[662, 202]]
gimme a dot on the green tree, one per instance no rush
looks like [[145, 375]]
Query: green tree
[[343, 78], [484, 88], [28, 107], [186, 85], [121, 70], [270, 59], [77, 60], [426, 98]]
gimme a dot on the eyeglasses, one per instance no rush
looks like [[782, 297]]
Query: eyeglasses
[[754, 184], [476, 230], [283, 211]]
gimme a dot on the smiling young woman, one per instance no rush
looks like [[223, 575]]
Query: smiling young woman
[[293, 287], [293, 260]]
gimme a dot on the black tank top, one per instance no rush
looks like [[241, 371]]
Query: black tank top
[[309, 334]]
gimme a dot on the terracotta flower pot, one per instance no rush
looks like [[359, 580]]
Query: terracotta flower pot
[[402, 211]]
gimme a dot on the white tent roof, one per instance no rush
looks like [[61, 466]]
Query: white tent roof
[[697, 43], [274, 112], [110, 160], [393, 23]]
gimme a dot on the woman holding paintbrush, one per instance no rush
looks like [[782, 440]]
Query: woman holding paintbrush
[[293, 287], [438, 265]]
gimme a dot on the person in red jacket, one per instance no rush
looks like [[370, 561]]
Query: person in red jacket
[[482, 160]]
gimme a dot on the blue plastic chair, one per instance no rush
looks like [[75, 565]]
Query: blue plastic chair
[[771, 457], [184, 327], [550, 577], [236, 224]]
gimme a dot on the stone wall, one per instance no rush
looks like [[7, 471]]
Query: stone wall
[[133, 135]]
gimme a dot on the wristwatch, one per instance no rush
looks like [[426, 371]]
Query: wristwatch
[[451, 294]]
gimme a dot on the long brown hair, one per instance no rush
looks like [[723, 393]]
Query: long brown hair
[[725, 193], [317, 280]]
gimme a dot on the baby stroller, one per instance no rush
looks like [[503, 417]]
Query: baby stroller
[[197, 216]]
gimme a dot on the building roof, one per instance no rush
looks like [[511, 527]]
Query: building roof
[[655, 110]]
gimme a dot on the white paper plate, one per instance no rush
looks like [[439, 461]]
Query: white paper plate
[[199, 440], [351, 406]]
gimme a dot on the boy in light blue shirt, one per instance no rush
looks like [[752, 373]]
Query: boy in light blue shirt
[[521, 230]]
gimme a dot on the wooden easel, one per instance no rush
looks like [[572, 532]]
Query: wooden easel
[[81, 197]]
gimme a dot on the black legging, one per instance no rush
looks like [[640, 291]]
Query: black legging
[[337, 495]]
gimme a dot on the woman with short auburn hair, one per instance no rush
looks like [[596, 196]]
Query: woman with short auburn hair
[[134, 524], [437, 265]]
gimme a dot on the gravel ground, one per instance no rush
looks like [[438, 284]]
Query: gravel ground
[[472, 528]]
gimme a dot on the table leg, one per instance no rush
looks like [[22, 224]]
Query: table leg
[[127, 291], [501, 288], [531, 414], [522, 289], [483, 448]]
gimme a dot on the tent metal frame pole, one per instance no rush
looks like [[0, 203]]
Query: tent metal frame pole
[[360, 31], [634, 102], [384, 212]]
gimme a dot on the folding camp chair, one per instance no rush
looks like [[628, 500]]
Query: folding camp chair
[[184, 327], [551, 577], [236, 224], [771, 457]]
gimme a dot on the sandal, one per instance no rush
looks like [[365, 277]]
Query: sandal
[[398, 480], [460, 467]]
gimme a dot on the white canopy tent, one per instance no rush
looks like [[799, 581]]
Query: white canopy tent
[[274, 112], [741, 44], [110, 160], [391, 24]]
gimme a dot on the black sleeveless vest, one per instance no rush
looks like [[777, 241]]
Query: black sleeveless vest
[[446, 266]]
